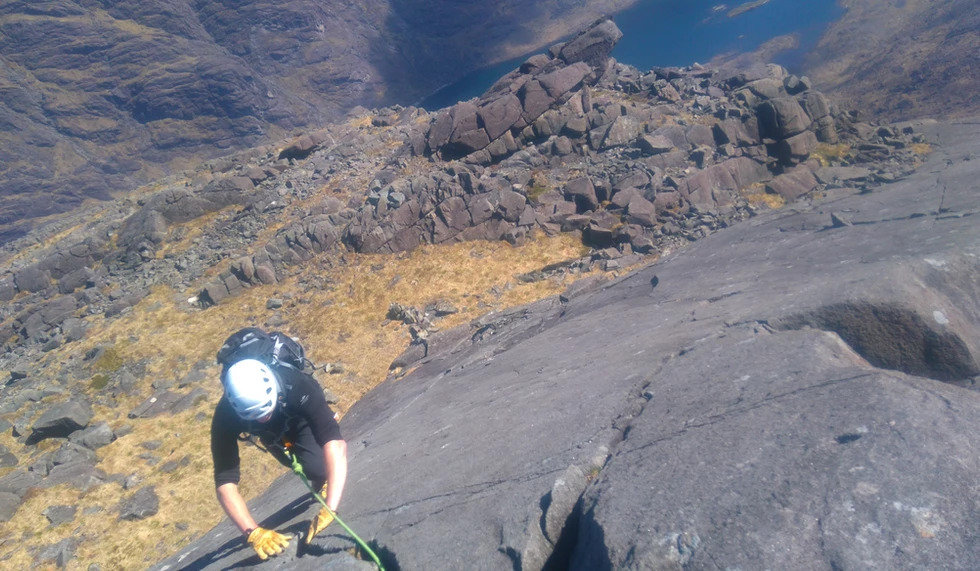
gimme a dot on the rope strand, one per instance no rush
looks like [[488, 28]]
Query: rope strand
[[298, 468]]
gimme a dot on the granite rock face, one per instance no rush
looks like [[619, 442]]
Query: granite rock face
[[786, 393]]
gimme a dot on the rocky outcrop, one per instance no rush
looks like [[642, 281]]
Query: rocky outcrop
[[519, 98]]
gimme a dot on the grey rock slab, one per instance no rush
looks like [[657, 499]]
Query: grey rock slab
[[9, 503], [654, 144], [94, 437], [827, 175], [59, 553], [806, 462], [165, 401], [142, 504], [732, 406], [59, 514]]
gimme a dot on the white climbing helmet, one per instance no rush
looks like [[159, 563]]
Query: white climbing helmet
[[252, 389]]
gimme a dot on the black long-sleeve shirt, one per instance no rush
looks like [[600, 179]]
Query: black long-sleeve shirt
[[303, 404]]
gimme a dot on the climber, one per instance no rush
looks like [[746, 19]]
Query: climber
[[285, 409]]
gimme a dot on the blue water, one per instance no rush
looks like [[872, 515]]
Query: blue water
[[681, 32]]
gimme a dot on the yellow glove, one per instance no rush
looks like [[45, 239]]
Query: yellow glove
[[318, 524], [321, 520], [267, 542]]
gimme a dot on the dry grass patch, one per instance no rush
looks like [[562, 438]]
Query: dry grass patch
[[346, 322], [757, 196], [828, 154], [921, 149]]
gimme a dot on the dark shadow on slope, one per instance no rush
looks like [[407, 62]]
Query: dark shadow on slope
[[588, 551], [562, 554], [893, 336], [387, 557]]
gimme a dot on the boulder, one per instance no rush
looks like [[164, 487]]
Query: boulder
[[59, 553], [58, 515], [7, 290], [124, 303], [582, 192], [746, 171], [700, 136], [793, 184], [654, 145], [61, 420], [736, 132], [499, 115], [535, 100], [511, 205], [140, 505], [592, 46], [7, 458], [711, 189], [93, 437], [782, 118], [767, 88], [299, 149], [797, 148], [817, 105], [563, 80], [641, 211], [8, 505], [440, 130], [79, 278], [32, 279], [622, 132]]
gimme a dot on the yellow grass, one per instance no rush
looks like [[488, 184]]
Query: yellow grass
[[921, 149], [756, 195], [828, 154]]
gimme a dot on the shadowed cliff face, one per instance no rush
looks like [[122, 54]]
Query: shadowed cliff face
[[99, 95]]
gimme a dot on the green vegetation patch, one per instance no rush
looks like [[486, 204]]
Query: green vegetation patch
[[99, 382], [109, 362]]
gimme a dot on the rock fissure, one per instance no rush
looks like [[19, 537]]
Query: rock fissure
[[739, 410], [468, 494]]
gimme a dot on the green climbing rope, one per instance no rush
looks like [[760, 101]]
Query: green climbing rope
[[298, 468]]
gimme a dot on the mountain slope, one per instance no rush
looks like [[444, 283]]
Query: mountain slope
[[897, 60], [99, 95]]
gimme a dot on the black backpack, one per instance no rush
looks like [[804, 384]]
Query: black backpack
[[273, 349]]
